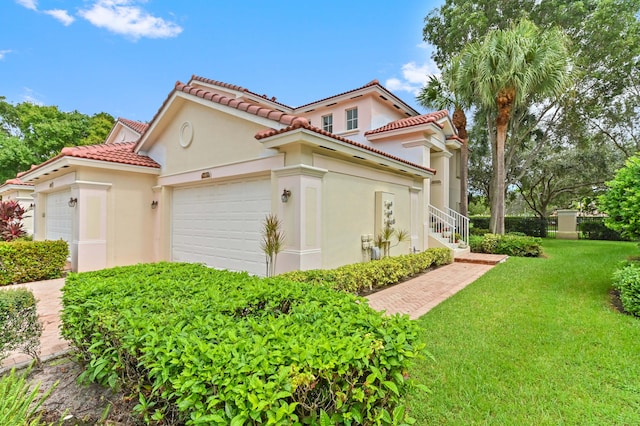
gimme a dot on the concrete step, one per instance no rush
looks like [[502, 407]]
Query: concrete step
[[481, 258]]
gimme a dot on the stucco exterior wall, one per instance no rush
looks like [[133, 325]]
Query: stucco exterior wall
[[129, 217], [348, 214], [197, 137]]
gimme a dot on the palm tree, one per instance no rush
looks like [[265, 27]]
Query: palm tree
[[508, 69], [439, 94]]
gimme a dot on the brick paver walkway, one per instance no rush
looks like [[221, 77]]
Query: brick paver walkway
[[49, 305], [419, 295]]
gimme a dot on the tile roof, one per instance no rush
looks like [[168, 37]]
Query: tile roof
[[260, 111], [121, 153], [16, 181], [237, 88], [369, 84], [136, 126], [305, 125], [404, 123]]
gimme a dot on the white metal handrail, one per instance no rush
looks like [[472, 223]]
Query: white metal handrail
[[448, 224]]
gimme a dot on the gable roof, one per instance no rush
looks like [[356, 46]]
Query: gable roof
[[236, 88], [136, 126], [373, 84], [120, 153], [403, 123], [263, 134]]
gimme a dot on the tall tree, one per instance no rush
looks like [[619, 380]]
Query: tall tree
[[31, 134], [507, 69], [600, 106], [439, 94]]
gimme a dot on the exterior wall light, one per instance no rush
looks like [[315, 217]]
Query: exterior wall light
[[285, 195], [73, 202], [154, 204]]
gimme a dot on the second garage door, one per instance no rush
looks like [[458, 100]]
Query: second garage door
[[220, 225], [58, 216]]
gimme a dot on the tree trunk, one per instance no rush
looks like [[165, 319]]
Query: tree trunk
[[460, 123], [498, 187]]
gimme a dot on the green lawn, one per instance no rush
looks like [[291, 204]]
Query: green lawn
[[534, 342]]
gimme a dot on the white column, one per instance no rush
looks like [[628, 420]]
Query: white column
[[441, 181], [301, 216], [89, 243]]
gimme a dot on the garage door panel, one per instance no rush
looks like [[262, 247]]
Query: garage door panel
[[219, 225], [58, 216]]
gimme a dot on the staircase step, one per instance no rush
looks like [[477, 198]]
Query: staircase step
[[481, 258]]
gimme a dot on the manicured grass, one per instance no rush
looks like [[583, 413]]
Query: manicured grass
[[534, 342]]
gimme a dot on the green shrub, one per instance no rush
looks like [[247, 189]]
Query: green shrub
[[475, 243], [26, 261], [478, 231], [20, 328], [18, 403], [532, 226], [509, 244], [597, 230], [627, 281], [202, 346], [360, 277]]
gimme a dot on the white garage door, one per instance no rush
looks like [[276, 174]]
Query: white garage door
[[220, 225], [59, 216]]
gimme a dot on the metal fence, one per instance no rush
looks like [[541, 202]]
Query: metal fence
[[588, 227]]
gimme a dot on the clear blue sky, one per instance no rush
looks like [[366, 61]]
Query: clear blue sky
[[124, 56]]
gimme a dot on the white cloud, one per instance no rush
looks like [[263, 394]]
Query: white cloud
[[414, 77], [4, 53], [29, 4], [31, 96], [61, 15], [123, 17]]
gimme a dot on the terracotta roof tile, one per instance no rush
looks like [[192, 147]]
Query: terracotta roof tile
[[369, 84], [16, 181], [258, 110], [121, 153], [404, 123], [236, 88], [305, 125], [136, 126]]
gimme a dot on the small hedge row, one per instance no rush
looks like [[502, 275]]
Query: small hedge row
[[532, 226], [360, 277], [597, 230], [627, 281], [509, 244], [202, 346], [26, 261], [20, 328]]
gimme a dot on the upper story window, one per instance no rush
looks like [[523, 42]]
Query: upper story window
[[327, 123], [352, 118]]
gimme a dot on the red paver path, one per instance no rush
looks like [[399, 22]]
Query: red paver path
[[419, 295], [49, 305]]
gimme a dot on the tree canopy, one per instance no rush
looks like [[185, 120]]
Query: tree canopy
[[599, 112], [622, 200], [31, 134]]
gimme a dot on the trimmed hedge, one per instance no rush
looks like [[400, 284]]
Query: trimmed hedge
[[528, 225], [509, 244], [360, 277], [597, 230], [20, 328], [26, 261], [203, 346], [627, 281]]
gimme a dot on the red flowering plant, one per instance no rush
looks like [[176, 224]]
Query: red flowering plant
[[11, 216]]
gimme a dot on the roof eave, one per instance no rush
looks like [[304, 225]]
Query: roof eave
[[67, 161], [302, 135], [428, 128]]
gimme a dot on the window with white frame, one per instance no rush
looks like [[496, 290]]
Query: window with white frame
[[327, 123], [352, 118]]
